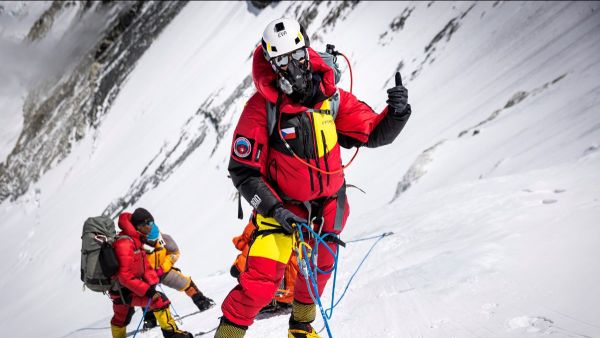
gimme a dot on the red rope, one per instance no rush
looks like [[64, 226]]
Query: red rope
[[350, 68]]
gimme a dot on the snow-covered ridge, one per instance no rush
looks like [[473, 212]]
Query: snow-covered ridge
[[419, 167], [61, 109]]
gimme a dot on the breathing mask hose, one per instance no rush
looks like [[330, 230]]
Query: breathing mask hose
[[349, 68], [331, 50]]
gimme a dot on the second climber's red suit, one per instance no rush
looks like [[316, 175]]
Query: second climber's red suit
[[135, 276], [268, 175]]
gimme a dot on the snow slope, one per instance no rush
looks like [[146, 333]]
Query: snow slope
[[495, 229]]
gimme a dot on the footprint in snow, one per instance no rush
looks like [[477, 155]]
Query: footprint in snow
[[438, 323], [530, 324], [556, 191], [488, 309]]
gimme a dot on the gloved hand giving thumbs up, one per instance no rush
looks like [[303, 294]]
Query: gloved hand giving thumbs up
[[397, 96]]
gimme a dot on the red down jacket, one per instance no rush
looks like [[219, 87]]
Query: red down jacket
[[135, 272], [265, 171]]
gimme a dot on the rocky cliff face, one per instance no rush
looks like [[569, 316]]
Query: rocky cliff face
[[62, 110]]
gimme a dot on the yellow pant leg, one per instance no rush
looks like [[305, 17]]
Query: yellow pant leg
[[118, 331], [276, 246], [165, 320]]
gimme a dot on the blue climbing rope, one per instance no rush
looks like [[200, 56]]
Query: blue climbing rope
[[380, 237], [310, 276], [172, 307], [371, 237], [143, 316]]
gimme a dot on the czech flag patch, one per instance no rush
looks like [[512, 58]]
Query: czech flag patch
[[288, 133]]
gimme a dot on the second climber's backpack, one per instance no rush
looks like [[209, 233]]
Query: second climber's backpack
[[98, 260]]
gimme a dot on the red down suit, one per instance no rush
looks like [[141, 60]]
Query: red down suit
[[268, 174], [135, 276]]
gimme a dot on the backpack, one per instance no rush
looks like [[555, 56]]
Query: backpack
[[330, 58], [98, 260]]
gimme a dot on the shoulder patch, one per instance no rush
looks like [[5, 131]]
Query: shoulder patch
[[242, 147]]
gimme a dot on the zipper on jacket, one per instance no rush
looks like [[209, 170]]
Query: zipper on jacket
[[315, 150], [308, 155], [325, 154]]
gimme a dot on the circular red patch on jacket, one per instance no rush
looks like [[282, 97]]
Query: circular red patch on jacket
[[242, 147]]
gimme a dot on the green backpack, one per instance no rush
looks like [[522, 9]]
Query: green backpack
[[98, 260]]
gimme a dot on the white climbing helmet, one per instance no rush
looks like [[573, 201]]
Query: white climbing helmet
[[282, 36]]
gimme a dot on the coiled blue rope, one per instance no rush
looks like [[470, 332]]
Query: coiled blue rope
[[310, 275]]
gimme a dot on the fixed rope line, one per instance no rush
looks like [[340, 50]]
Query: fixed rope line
[[310, 275], [143, 316], [172, 307], [372, 237], [379, 238]]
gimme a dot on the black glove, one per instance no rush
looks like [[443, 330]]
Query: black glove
[[286, 219], [151, 291], [397, 96]]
